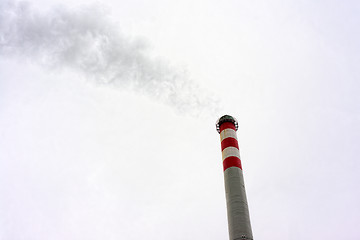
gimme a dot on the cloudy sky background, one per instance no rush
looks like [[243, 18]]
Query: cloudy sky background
[[107, 114]]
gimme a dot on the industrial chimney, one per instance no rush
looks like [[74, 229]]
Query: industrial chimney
[[237, 207]]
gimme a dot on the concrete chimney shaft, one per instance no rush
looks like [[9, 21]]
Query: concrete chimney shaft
[[237, 207]]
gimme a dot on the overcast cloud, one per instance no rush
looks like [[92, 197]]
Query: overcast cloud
[[96, 142]]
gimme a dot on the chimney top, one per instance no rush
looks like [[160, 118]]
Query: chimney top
[[226, 118]]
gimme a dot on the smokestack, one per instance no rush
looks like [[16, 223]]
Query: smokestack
[[237, 207]]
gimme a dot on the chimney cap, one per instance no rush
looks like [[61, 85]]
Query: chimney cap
[[226, 118]]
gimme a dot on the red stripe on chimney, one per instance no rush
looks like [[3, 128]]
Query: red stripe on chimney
[[227, 125], [232, 162], [229, 142]]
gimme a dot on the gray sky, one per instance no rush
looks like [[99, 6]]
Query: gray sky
[[107, 118]]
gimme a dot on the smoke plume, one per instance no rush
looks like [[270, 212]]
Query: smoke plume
[[87, 41]]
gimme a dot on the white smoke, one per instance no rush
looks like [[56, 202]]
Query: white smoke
[[88, 41]]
